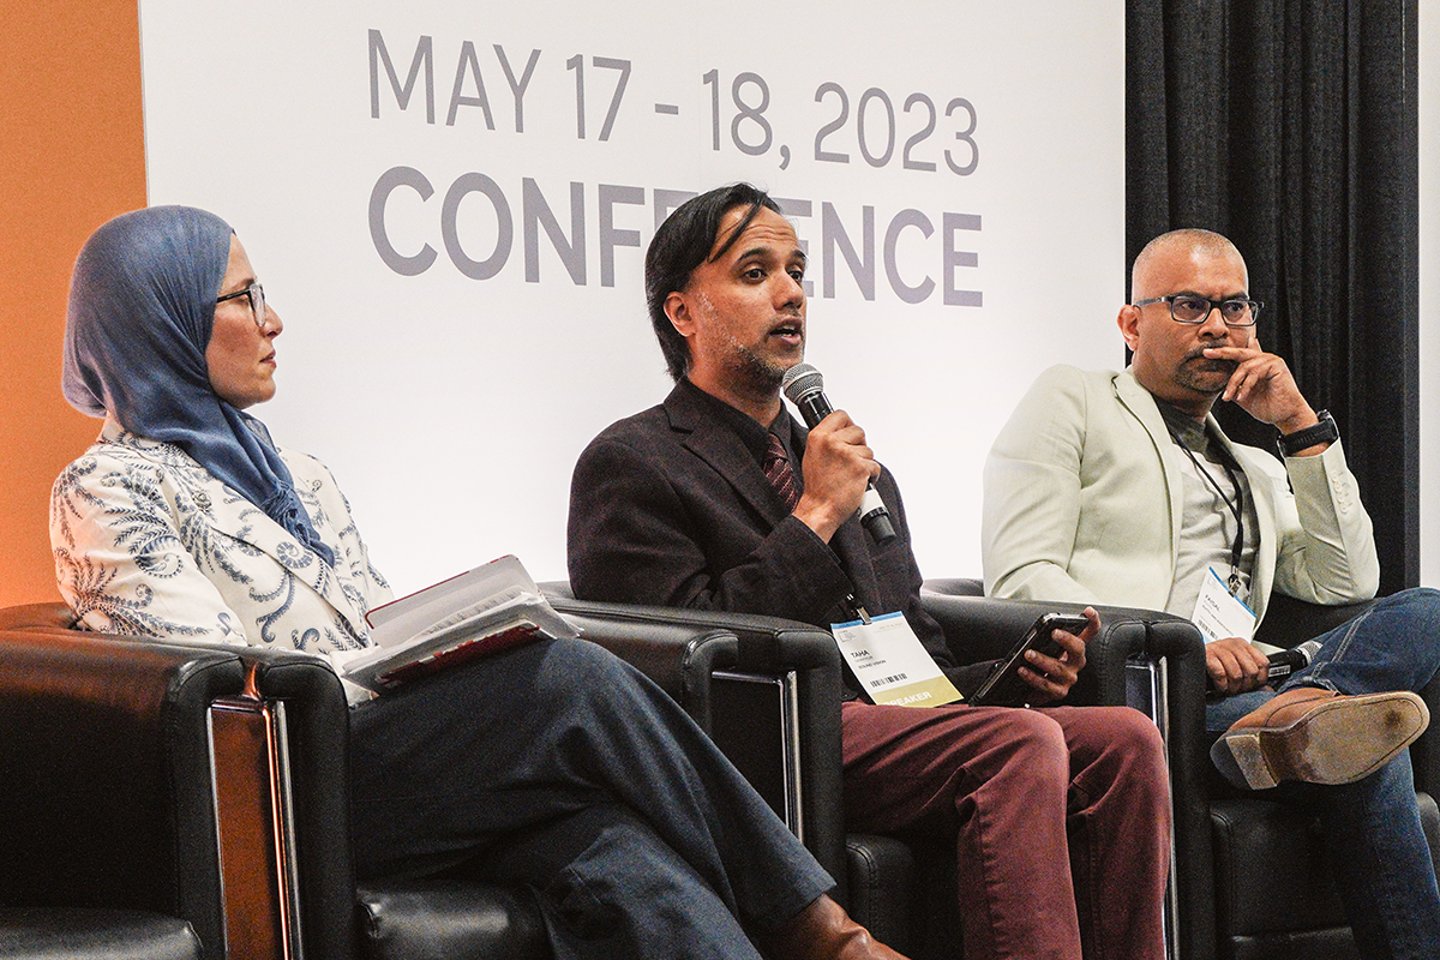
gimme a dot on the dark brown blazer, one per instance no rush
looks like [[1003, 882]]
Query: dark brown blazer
[[671, 507]]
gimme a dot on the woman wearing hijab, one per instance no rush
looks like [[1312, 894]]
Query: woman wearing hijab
[[185, 521]]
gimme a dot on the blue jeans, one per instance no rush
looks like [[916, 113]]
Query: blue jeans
[[1372, 827], [558, 766]]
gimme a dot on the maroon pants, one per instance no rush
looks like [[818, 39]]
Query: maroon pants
[[1060, 817]]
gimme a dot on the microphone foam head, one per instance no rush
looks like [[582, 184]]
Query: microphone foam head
[[800, 381]]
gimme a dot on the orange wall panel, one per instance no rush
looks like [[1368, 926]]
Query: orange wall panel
[[72, 155]]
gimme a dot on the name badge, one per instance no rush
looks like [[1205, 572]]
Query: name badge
[[1220, 614], [891, 663]]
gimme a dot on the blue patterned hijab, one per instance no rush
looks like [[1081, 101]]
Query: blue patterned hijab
[[142, 302]]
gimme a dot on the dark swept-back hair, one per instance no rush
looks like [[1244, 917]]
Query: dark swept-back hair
[[681, 244]]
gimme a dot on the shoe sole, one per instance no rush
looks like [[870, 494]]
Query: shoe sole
[[1337, 742]]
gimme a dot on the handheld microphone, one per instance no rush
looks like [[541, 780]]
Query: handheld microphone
[[1285, 662], [805, 387], [1282, 663]]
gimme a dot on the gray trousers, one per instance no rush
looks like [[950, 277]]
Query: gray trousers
[[561, 767]]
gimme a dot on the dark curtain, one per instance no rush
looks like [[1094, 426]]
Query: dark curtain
[[1290, 127]]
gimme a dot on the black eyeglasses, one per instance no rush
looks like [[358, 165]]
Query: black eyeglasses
[[1192, 309], [256, 293]]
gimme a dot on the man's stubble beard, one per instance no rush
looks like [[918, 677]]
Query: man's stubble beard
[[1201, 380], [753, 373], [758, 374]]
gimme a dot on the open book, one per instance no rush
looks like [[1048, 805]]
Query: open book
[[492, 608]]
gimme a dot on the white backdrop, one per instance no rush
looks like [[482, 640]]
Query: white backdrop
[[451, 391]]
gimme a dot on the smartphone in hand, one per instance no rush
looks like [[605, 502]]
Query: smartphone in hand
[[1004, 687]]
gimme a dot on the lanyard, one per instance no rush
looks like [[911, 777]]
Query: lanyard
[[856, 608], [1237, 509]]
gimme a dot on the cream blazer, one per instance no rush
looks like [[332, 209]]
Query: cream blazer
[[147, 542], [1082, 505]]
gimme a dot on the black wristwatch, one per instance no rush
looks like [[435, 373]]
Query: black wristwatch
[[1323, 432]]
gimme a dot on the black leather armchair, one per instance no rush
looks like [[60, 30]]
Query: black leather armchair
[[1250, 881], [767, 690], [1137, 657], [903, 890], [456, 916], [192, 852], [107, 799], [1272, 888], [701, 663]]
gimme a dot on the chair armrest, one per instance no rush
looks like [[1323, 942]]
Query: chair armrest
[[982, 628], [681, 649], [105, 757], [317, 723]]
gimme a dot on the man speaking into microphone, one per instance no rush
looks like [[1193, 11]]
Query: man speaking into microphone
[[717, 499]]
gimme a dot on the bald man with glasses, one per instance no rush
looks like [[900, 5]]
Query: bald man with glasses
[[1121, 488]]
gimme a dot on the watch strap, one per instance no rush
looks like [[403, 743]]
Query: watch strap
[[1325, 431]]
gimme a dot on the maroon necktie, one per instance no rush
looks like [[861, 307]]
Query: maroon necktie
[[780, 474]]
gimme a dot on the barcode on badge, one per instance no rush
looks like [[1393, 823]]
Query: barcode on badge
[[893, 678]]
